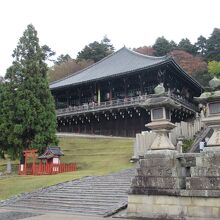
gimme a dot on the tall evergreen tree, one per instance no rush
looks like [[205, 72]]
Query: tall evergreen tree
[[201, 45], [62, 59], [28, 110], [186, 45], [162, 46], [96, 51], [213, 46]]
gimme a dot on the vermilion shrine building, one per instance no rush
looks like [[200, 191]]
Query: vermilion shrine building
[[109, 96]]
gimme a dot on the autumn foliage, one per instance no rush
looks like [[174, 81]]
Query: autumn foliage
[[145, 50], [69, 67], [189, 62]]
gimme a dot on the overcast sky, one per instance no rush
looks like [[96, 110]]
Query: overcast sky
[[68, 25]]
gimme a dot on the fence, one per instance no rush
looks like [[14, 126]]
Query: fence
[[46, 169], [117, 103], [187, 130]]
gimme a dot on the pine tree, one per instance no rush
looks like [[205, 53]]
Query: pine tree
[[186, 45], [201, 45], [162, 46], [28, 110], [213, 46], [96, 51]]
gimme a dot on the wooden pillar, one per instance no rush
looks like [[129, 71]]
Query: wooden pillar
[[68, 98], [92, 93], [25, 164], [79, 95], [125, 87], [110, 91], [99, 94], [33, 166], [141, 84]]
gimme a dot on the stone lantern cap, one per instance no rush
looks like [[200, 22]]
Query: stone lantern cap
[[161, 101], [207, 97]]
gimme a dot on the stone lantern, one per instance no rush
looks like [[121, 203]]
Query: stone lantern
[[211, 102], [160, 107]]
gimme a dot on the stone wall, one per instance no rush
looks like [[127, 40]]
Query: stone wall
[[173, 185], [173, 207]]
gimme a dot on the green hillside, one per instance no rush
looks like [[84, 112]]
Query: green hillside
[[94, 156]]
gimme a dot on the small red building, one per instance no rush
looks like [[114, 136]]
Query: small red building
[[51, 156], [49, 163]]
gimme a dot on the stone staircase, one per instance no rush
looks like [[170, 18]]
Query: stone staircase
[[98, 195]]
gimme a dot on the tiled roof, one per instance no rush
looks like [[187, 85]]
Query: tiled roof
[[51, 152], [120, 62]]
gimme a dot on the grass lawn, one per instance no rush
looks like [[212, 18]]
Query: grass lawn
[[93, 156]]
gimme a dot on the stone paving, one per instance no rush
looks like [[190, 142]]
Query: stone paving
[[96, 196]]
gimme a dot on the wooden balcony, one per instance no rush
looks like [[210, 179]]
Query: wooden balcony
[[130, 102]]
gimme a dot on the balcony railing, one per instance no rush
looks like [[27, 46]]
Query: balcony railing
[[118, 103]]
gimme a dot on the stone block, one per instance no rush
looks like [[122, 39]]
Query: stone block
[[216, 212], [147, 191], [200, 193], [173, 207], [199, 211], [206, 202], [203, 183], [173, 201], [141, 199], [132, 208], [187, 161], [158, 182], [205, 172], [208, 160], [160, 172], [157, 162]]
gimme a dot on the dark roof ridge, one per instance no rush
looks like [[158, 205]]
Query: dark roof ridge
[[88, 67]]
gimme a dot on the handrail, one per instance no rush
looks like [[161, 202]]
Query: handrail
[[130, 101], [126, 102]]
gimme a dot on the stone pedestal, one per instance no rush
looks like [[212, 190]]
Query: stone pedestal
[[161, 128], [169, 185]]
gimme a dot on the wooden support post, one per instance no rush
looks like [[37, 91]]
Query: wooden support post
[[79, 95], [141, 84], [99, 94], [110, 91], [125, 87]]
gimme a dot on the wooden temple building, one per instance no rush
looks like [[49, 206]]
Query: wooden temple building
[[108, 97]]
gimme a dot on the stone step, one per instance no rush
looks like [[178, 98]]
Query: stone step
[[80, 198], [61, 207], [89, 195], [41, 204], [108, 185], [70, 210], [69, 202], [83, 195], [94, 190]]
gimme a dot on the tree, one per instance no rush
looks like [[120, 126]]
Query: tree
[[162, 46], [28, 118], [71, 66], [173, 45], [96, 51], [147, 50], [213, 46], [214, 68], [186, 45], [62, 59], [189, 62], [201, 45], [48, 53]]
